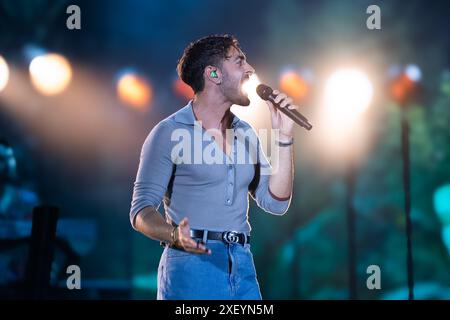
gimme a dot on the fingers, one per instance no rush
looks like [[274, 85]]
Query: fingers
[[196, 247], [283, 100], [272, 108], [184, 227], [187, 242], [279, 96], [201, 248], [184, 223], [286, 102]]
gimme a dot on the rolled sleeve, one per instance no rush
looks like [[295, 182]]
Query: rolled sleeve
[[264, 198], [154, 172]]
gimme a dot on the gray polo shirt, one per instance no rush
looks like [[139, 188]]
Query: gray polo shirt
[[182, 166]]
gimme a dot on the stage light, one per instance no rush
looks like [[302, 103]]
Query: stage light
[[402, 88], [348, 93], [182, 89], [294, 85], [442, 207], [413, 72], [249, 86], [404, 83], [134, 90], [344, 129], [4, 73], [257, 113], [442, 204], [50, 73]]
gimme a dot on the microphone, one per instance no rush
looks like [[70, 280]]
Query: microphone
[[266, 93]]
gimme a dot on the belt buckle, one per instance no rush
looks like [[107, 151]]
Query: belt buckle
[[231, 237]]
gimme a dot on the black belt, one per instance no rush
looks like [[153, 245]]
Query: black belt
[[227, 236]]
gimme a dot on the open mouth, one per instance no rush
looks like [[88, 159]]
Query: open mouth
[[244, 85], [249, 84]]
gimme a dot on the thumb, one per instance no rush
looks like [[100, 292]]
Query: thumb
[[184, 223], [271, 107], [273, 112]]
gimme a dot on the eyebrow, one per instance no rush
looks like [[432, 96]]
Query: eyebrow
[[240, 57]]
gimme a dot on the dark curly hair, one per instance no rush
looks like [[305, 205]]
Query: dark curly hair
[[210, 50]]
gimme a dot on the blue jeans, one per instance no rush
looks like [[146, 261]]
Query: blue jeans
[[227, 274]]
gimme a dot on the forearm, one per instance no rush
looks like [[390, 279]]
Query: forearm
[[150, 223], [281, 180]]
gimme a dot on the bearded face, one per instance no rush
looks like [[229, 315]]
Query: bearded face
[[232, 89], [235, 72]]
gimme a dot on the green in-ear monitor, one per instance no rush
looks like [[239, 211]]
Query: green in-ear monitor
[[213, 74]]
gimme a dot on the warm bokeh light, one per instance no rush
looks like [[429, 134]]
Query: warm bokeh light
[[294, 85], [182, 89], [401, 88], [76, 122], [4, 73], [134, 90], [50, 73], [348, 93], [404, 82]]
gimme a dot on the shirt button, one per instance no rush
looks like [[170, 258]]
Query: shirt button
[[228, 200]]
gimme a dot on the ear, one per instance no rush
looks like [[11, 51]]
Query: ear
[[213, 74]]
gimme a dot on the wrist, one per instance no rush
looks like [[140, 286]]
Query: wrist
[[285, 138], [284, 144], [174, 236]]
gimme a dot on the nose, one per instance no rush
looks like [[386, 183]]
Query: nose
[[250, 70]]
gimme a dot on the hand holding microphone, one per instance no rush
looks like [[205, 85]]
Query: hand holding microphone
[[266, 93]]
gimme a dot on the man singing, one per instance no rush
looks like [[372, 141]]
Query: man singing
[[206, 232]]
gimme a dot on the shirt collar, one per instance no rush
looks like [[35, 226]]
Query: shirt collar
[[186, 115]]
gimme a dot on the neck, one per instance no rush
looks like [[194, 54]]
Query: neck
[[212, 110]]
